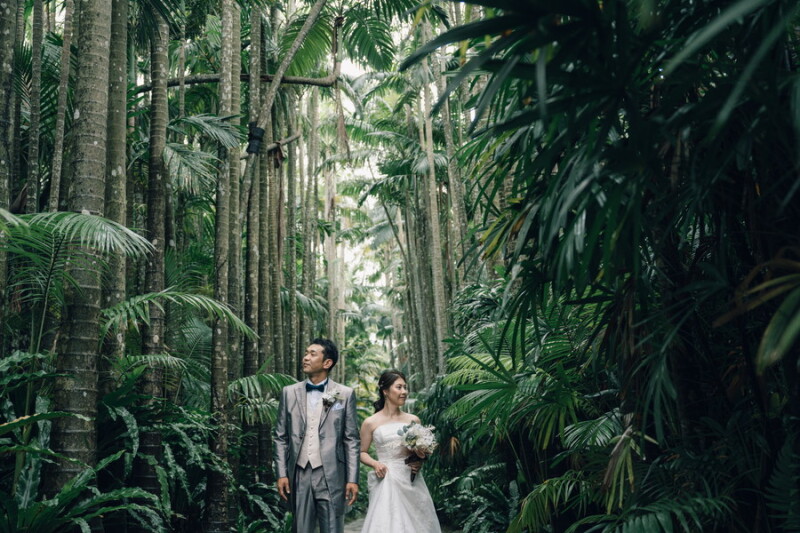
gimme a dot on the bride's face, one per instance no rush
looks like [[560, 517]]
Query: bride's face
[[397, 392]]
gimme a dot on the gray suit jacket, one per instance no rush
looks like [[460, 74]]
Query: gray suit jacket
[[339, 440]]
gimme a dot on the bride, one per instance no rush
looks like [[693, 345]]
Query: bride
[[396, 505]]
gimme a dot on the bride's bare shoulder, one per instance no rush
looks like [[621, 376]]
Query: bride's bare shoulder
[[370, 421]]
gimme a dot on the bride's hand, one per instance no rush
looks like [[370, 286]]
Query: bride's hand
[[380, 470]]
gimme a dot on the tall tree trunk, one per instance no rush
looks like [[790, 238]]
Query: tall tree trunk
[[235, 269], [182, 66], [264, 325], [17, 117], [8, 33], [116, 174], [153, 333], [236, 215], [434, 235], [35, 106], [303, 180], [310, 211], [51, 17], [455, 185], [294, 175], [331, 256], [76, 390], [267, 360], [218, 520], [417, 295], [274, 258], [61, 106], [249, 204]]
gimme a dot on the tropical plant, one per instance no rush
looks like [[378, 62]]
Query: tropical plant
[[620, 154]]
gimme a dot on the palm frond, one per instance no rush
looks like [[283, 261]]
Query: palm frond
[[192, 170], [85, 230], [368, 38], [137, 309], [221, 130]]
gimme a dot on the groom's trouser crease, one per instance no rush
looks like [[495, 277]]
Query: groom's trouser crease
[[313, 503]]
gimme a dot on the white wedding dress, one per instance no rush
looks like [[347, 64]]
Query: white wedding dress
[[396, 505]]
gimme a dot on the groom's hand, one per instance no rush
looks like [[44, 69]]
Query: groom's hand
[[351, 492], [283, 488]]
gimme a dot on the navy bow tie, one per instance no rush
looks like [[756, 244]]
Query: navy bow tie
[[310, 387]]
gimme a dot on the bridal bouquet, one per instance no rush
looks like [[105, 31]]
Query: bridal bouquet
[[420, 440]]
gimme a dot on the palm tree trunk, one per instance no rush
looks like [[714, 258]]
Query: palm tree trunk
[[264, 325], [153, 333], [330, 251], [434, 236], [294, 176], [76, 390], [455, 185], [35, 106], [267, 360], [17, 117], [310, 212], [235, 270], [116, 165], [274, 258], [249, 205], [236, 214], [417, 290], [8, 33], [217, 517], [182, 67], [61, 106]]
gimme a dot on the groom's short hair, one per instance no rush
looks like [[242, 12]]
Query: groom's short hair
[[330, 351]]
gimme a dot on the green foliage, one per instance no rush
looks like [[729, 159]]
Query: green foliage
[[137, 309], [633, 175], [77, 504], [783, 490], [255, 398]]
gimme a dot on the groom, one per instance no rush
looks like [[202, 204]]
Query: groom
[[317, 444]]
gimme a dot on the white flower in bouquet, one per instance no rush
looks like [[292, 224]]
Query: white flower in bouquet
[[420, 440]]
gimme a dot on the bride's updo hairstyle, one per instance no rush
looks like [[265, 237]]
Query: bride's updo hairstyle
[[384, 382]]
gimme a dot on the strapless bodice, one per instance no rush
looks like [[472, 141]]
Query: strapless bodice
[[388, 443]]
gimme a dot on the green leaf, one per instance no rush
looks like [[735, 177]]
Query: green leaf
[[479, 28], [781, 333], [703, 36], [32, 419]]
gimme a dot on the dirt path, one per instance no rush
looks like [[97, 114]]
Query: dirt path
[[354, 526]]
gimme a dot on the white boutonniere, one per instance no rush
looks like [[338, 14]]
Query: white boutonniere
[[330, 398]]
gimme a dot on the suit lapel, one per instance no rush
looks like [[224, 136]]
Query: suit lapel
[[300, 394], [332, 386]]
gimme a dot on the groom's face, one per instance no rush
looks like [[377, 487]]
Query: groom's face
[[314, 361]]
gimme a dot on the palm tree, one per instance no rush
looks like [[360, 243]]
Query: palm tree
[[76, 391], [116, 168], [7, 46], [35, 105], [61, 109], [218, 520], [153, 333]]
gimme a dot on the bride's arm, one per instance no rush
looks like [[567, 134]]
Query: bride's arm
[[365, 457]]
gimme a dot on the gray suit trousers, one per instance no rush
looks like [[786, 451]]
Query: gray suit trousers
[[312, 503]]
